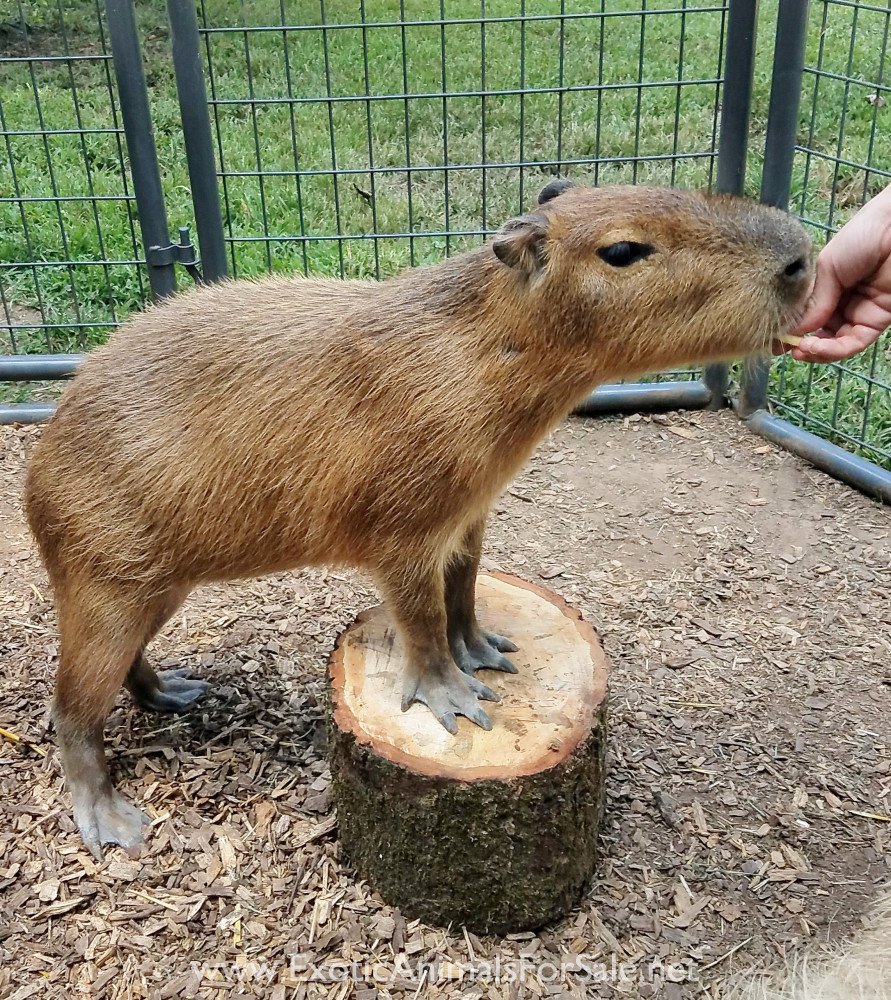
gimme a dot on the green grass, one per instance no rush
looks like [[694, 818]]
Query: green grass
[[675, 122]]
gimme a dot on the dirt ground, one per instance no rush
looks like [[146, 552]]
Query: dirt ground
[[744, 600]]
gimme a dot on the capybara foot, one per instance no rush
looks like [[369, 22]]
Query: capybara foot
[[174, 691], [108, 818], [448, 692], [478, 650]]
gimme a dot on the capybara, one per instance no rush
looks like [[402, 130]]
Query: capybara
[[260, 425]]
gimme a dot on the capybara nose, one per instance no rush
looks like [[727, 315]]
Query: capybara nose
[[795, 274]]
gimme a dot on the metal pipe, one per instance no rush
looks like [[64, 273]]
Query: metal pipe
[[631, 398], [736, 95], [785, 97], [733, 144], [192, 94], [637, 396], [779, 156], [851, 469], [133, 95], [37, 367], [26, 413]]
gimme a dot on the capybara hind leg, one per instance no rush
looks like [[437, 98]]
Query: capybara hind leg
[[164, 690], [472, 647], [417, 601], [102, 630]]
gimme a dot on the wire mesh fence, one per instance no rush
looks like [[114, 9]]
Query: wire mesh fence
[[69, 249], [843, 159], [356, 139], [360, 138]]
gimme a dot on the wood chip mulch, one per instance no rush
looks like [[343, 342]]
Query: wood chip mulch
[[744, 599]]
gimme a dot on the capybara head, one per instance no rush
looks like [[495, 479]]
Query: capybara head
[[645, 278]]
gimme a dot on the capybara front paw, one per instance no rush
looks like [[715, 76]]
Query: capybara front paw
[[175, 692], [110, 819], [449, 693], [478, 650]]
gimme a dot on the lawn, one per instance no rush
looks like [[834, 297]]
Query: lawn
[[524, 99]]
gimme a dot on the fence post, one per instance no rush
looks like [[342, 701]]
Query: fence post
[[779, 155], [736, 105], [192, 96], [127, 54]]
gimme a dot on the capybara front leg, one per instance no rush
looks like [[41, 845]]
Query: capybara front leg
[[472, 646], [162, 690], [416, 597], [102, 630]]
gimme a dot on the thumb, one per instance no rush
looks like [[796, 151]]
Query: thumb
[[824, 299]]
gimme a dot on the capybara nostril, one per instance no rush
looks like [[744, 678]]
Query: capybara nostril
[[796, 270]]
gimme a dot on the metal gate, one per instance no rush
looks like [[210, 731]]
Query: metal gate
[[355, 139]]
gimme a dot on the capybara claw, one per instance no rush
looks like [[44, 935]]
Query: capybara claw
[[501, 643]]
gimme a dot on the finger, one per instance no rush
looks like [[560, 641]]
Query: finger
[[868, 307], [824, 298], [847, 342]]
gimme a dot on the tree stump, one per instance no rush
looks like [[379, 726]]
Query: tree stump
[[497, 830]]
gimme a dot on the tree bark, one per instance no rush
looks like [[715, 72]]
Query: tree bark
[[497, 830]]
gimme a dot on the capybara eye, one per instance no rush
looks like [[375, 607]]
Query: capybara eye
[[624, 253]]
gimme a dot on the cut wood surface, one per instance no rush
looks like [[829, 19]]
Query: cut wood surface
[[545, 711], [496, 830]]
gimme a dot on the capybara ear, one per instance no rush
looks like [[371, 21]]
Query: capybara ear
[[520, 243], [557, 186]]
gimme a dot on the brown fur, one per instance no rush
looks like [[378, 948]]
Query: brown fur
[[255, 426], [856, 969]]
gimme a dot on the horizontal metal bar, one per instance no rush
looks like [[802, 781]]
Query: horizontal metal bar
[[635, 396], [841, 78], [438, 95], [61, 131], [37, 367], [58, 326], [858, 472], [606, 399], [55, 198], [817, 225], [429, 168], [860, 6], [7, 264], [451, 21], [96, 57], [829, 158], [334, 237], [26, 413]]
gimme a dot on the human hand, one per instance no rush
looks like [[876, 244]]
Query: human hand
[[850, 305]]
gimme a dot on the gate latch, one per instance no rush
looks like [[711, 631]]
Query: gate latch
[[177, 253]]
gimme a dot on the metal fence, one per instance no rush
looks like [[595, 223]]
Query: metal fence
[[69, 245], [843, 158], [355, 139], [360, 143]]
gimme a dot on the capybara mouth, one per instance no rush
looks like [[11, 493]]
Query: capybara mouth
[[794, 316]]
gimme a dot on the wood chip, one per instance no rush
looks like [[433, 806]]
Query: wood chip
[[748, 804]]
